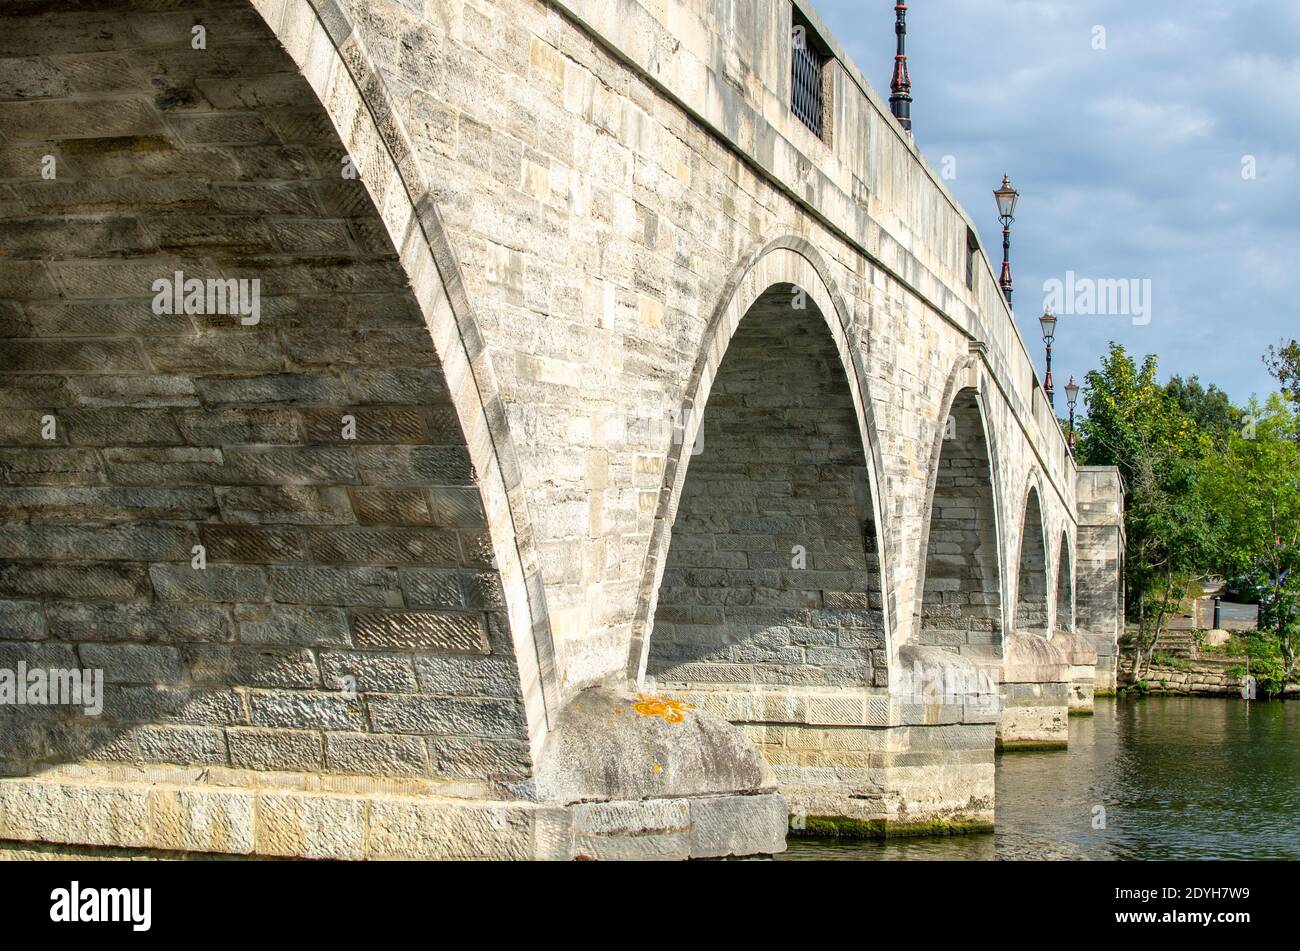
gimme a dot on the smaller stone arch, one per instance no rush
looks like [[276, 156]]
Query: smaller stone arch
[[1065, 587], [1032, 612], [959, 594], [788, 261]]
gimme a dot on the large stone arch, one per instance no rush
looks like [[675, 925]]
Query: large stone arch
[[351, 89], [368, 605], [960, 592], [785, 262], [1032, 607]]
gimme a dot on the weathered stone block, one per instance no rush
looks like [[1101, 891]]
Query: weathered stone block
[[181, 744], [138, 622], [274, 749], [165, 704], [239, 665], [352, 587], [421, 631], [456, 716], [319, 826], [291, 626], [133, 663], [369, 755], [223, 583], [21, 620], [310, 710], [102, 582]]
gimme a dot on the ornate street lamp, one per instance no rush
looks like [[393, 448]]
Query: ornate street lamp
[[1072, 397], [900, 87], [1048, 323], [1006, 197]]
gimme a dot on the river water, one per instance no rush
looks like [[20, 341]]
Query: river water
[[1178, 778]]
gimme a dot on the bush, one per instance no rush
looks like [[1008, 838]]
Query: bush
[[1266, 663]]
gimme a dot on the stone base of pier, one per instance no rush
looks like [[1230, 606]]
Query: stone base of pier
[[917, 760], [1035, 689], [1083, 671]]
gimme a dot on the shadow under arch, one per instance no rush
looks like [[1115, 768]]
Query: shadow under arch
[[1032, 609], [198, 429], [1065, 586], [958, 617], [786, 260]]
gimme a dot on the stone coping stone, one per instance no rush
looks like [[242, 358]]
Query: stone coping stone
[[1033, 659], [1076, 648], [795, 706]]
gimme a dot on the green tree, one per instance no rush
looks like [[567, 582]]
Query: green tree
[[1207, 406], [1253, 487], [1283, 362], [1136, 424]]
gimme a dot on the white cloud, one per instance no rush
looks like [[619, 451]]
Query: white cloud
[[1173, 123]]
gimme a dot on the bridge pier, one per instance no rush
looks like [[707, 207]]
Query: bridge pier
[[1035, 691], [1083, 671], [621, 777], [916, 760]]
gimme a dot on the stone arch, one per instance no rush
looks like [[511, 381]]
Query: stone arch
[[1065, 587], [369, 604], [1032, 608], [786, 265], [960, 593]]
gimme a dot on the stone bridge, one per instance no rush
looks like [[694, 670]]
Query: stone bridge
[[504, 428]]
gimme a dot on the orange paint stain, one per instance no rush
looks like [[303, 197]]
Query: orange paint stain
[[672, 711]]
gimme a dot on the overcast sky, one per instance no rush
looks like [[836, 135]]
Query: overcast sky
[[1129, 159]]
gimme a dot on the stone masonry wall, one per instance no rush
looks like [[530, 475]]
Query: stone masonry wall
[[1198, 678], [1100, 587], [593, 227], [772, 574], [345, 615]]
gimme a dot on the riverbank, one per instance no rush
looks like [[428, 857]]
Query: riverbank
[[1202, 677]]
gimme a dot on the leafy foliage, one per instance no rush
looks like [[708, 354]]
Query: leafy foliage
[[1283, 362], [1253, 486], [1207, 406], [1134, 423], [1210, 490]]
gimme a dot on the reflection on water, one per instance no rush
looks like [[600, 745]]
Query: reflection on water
[[1180, 778]]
